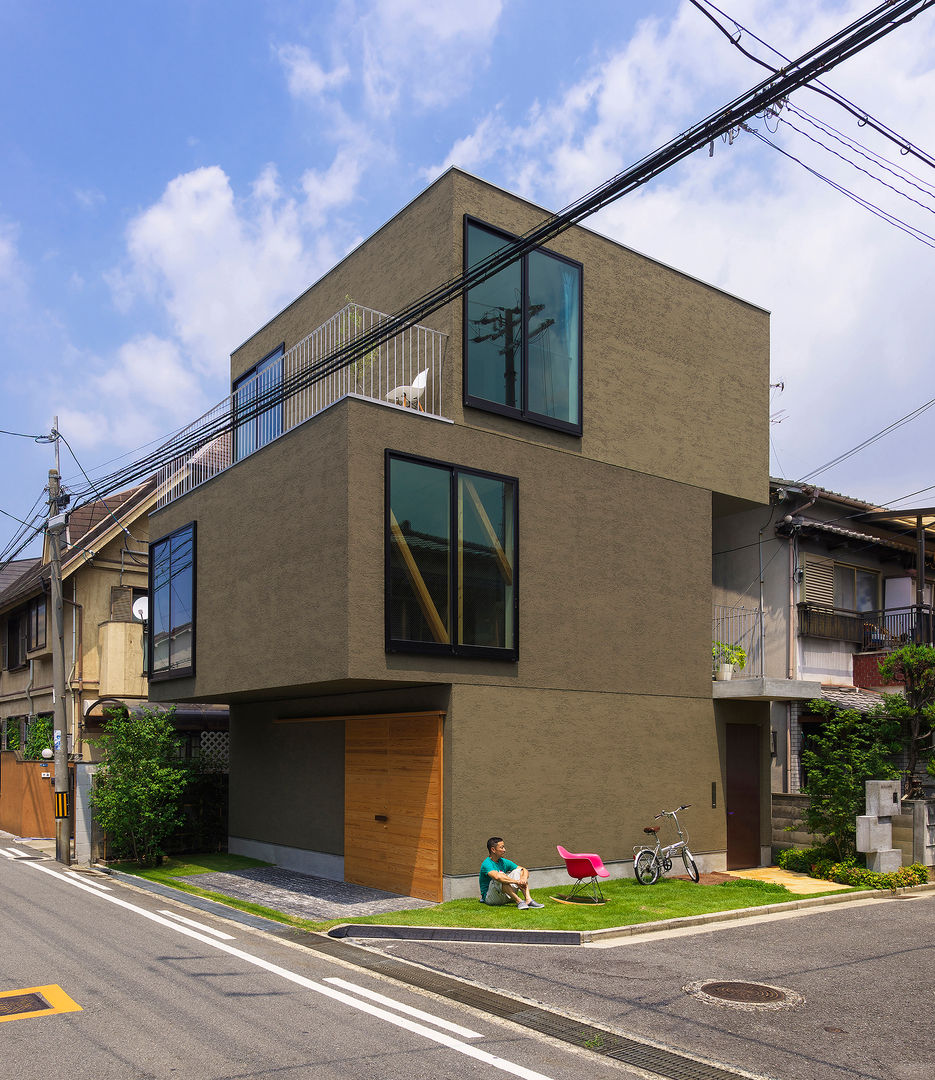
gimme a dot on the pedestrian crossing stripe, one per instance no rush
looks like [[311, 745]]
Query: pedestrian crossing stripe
[[35, 1001]]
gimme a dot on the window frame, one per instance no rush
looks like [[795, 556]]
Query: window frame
[[16, 640], [254, 422], [35, 640], [521, 412], [189, 669], [453, 648]]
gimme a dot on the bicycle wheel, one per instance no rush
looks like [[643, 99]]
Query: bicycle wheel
[[646, 868], [691, 867]]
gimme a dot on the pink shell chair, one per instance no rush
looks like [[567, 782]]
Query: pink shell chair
[[583, 866]]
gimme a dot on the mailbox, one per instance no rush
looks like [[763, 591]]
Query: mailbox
[[883, 798]]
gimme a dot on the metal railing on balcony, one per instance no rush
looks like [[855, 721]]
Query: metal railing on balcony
[[403, 372], [741, 627], [871, 631]]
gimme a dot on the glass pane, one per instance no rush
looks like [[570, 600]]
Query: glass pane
[[867, 590], [485, 562], [552, 337], [268, 379], [180, 651], [160, 615], [244, 433], [420, 534], [844, 597], [494, 326]]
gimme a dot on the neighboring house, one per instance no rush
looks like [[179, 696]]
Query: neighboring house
[[836, 581], [105, 565], [463, 586]]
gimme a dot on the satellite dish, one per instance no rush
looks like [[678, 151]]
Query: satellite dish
[[141, 608]]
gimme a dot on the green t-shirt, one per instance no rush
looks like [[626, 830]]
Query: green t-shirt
[[504, 866]]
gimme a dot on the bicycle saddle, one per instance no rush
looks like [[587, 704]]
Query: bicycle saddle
[[651, 829]]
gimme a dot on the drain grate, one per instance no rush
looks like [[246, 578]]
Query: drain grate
[[744, 995], [654, 1059], [22, 1003]]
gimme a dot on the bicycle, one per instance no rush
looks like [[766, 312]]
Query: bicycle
[[649, 863]]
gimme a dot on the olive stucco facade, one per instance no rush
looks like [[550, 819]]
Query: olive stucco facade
[[602, 713]]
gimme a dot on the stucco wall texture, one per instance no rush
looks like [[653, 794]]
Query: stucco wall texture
[[607, 715]]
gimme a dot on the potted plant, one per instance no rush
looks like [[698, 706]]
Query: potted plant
[[726, 657]]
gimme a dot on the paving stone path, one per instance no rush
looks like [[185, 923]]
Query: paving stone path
[[302, 894]]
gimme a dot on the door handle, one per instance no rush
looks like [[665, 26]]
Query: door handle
[[380, 817]]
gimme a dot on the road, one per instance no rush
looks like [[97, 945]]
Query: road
[[158, 996], [864, 973]]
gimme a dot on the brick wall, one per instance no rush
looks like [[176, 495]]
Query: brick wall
[[867, 670]]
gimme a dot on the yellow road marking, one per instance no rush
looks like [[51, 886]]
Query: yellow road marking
[[58, 1000]]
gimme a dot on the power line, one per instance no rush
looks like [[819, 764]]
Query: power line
[[23, 435], [869, 441], [849, 41], [123, 527], [863, 117]]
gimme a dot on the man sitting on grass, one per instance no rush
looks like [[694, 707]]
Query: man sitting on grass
[[502, 881]]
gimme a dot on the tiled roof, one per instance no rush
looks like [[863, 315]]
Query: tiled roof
[[15, 571], [851, 697]]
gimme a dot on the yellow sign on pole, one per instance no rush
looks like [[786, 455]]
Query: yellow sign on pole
[[61, 804]]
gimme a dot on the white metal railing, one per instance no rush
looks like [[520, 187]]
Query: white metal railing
[[402, 372], [743, 627]]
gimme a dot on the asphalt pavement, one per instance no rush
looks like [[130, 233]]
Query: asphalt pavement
[[827, 992]]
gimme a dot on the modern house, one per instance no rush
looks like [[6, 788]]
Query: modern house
[[462, 586], [817, 588]]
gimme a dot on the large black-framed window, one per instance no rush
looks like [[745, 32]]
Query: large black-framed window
[[171, 643], [452, 542], [522, 334], [257, 425]]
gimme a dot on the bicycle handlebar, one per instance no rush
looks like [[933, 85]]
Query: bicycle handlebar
[[669, 813]]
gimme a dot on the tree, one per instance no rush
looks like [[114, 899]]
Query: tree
[[847, 750], [914, 667], [138, 787]]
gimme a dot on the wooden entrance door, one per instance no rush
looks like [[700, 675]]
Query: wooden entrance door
[[393, 803], [743, 796]]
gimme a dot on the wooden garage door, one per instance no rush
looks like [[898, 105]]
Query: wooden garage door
[[393, 803]]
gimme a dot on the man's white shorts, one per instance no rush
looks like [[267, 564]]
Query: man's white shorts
[[495, 895]]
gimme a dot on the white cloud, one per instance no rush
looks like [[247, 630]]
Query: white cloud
[[219, 267], [305, 77]]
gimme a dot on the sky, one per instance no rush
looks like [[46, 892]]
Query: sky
[[173, 173]]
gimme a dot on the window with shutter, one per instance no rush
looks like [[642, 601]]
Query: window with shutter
[[819, 580]]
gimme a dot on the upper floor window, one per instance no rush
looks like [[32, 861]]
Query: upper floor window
[[256, 405], [37, 623], [451, 551], [15, 642], [840, 585], [172, 604], [522, 334]]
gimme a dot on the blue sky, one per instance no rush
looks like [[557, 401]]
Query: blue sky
[[172, 174]]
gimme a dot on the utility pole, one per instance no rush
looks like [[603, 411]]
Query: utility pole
[[56, 525]]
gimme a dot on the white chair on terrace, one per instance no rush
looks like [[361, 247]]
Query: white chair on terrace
[[410, 396]]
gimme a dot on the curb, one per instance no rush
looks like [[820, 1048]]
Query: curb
[[585, 937]]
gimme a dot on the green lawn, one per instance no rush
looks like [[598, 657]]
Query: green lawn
[[627, 904]]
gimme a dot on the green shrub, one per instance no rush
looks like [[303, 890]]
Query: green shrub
[[846, 873], [801, 860]]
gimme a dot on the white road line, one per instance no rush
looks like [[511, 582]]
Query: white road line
[[197, 925], [92, 881], [10, 853], [456, 1029], [300, 980]]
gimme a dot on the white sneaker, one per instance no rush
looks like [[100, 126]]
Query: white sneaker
[[535, 903], [522, 905]]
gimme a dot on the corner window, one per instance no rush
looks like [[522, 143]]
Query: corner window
[[451, 560], [171, 643], [259, 419], [522, 334]]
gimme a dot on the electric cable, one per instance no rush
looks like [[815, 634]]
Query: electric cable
[[123, 527], [847, 42]]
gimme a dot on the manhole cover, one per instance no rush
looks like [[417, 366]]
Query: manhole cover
[[22, 1003], [744, 995]]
